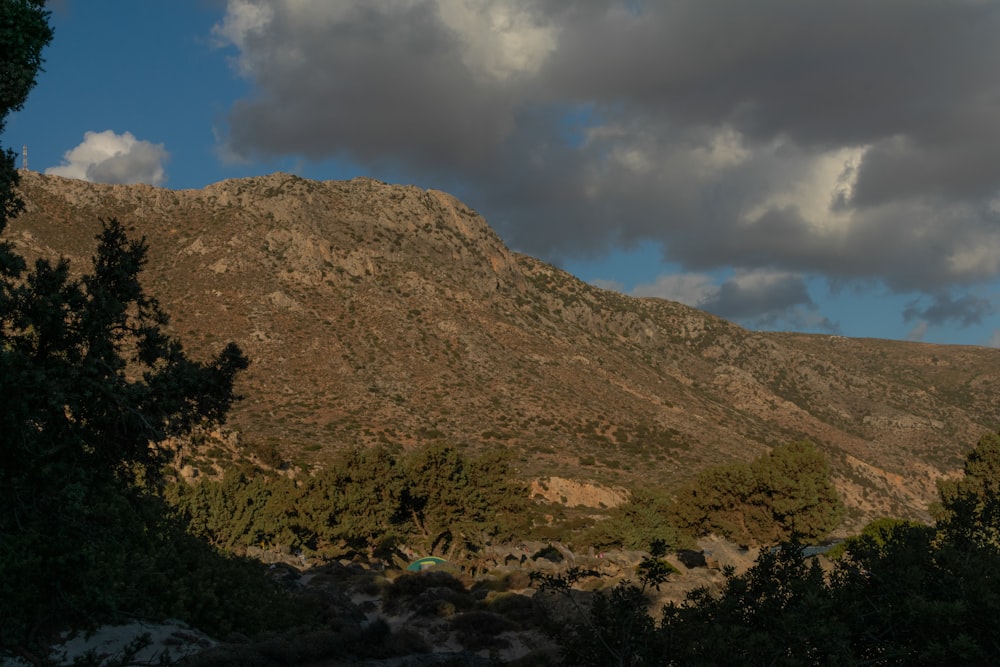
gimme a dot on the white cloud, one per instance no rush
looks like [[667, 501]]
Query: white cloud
[[499, 38], [243, 19], [820, 192], [918, 332], [106, 157], [692, 289]]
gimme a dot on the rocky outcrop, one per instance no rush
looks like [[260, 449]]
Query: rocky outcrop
[[573, 493]]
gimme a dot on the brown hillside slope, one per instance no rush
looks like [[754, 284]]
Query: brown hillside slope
[[380, 313]]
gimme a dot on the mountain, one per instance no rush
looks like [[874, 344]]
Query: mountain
[[378, 313]]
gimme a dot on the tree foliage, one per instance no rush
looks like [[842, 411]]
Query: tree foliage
[[647, 516], [901, 594], [24, 34], [365, 501], [969, 508], [89, 384], [617, 629], [782, 494]]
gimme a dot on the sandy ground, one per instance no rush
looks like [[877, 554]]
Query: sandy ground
[[172, 637]]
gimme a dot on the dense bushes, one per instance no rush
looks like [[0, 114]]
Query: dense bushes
[[784, 493], [437, 499], [901, 594], [647, 516]]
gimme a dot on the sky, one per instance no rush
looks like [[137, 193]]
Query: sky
[[829, 167]]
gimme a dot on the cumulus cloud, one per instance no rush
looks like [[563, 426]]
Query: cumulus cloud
[[693, 289], [965, 310], [853, 140], [758, 298], [107, 157]]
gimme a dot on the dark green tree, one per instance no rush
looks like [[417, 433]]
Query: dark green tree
[[617, 629], [635, 524], [877, 534], [779, 612], [794, 481], [784, 493], [969, 507], [357, 503], [459, 503], [24, 34], [723, 500], [239, 510], [89, 384], [901, 594]]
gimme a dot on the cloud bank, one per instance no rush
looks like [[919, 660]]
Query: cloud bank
[[850, 141], [107, 157]]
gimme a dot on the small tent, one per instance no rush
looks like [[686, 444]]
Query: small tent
[[425, 563]]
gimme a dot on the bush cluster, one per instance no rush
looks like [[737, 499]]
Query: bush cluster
[[783, 493], [437, 499], [901, 593]]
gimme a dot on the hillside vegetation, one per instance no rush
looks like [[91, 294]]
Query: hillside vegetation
[[387, 315]]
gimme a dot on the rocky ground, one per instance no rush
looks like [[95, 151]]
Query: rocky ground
[[379, 615]]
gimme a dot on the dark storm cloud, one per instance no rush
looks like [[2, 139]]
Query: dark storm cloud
[[757, 299], [736, 301], [375, 85], [899, 168], [850, 139], [966, 310]]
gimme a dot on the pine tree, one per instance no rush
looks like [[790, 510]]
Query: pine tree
[[89, 384]]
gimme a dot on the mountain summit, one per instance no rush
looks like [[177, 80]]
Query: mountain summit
[[377, 313]]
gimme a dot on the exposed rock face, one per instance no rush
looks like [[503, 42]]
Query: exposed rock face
[[376, 313], [573, 493]]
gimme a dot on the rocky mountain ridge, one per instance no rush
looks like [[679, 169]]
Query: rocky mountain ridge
[[377, 313]]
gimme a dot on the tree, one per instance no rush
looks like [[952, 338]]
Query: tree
[[795, 482], [720, 500], [969, 509], [24, 33], [901, 593], [782, 494], [779, 612], [459, 503], [617, 629], [89, 383], [358, 501], [635, 524]]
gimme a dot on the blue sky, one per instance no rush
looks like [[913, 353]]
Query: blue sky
[[825, 167]]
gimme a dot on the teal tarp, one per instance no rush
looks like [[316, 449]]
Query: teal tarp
[[424, 563]]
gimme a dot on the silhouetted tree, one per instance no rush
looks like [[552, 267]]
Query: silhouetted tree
[[89, 384]]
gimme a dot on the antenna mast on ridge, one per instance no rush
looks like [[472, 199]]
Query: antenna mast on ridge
[[24, 157]]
